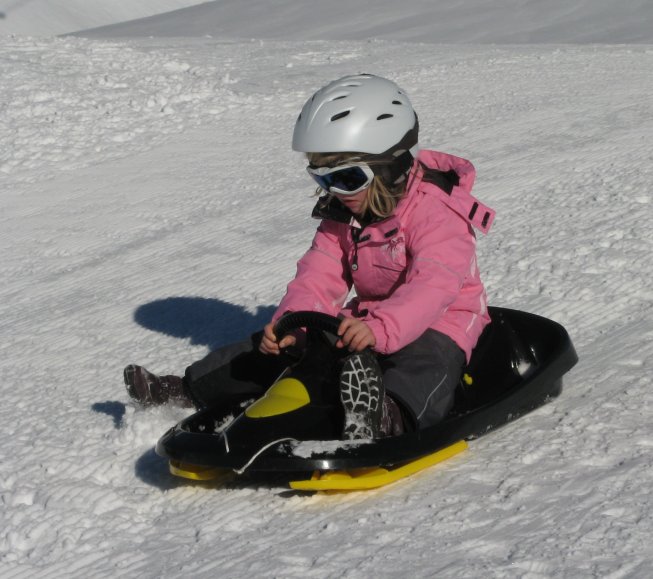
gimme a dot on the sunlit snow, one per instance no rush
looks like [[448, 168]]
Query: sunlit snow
[[151, 209]]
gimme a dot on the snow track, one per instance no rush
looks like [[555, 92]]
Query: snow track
[[151, 209]]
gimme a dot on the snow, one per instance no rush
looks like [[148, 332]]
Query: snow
[[439, 21], [48, 17], [151, 209], [309, 448]]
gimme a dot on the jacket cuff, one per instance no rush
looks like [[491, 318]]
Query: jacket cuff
[[380, 336]]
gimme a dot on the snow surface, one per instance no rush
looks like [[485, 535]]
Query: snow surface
[[433, 21], [152, 209], [49, 17]]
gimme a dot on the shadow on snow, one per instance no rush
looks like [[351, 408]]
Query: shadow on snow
[[209, 322], [113, 408]]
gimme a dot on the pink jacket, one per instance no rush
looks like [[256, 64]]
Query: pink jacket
[[414, 270]]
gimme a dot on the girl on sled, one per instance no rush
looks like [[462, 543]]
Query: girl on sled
[[396, 226]]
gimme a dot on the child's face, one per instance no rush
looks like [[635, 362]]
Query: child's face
[[353, 202]]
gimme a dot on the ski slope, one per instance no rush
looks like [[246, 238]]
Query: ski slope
[[151, 209], [50, 17], [431, 21]]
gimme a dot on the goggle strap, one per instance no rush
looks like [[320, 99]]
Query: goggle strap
[[396, 170]]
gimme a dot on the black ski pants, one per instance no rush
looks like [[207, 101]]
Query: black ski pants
[[421, 377]]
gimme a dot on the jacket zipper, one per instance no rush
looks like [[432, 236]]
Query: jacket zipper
[[356, 236]]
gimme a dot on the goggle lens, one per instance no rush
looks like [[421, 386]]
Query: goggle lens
[[347, 180]]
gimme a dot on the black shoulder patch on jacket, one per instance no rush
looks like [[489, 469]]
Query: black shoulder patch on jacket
[[445, 180]]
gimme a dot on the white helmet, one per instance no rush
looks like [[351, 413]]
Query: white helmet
[[360, 113]]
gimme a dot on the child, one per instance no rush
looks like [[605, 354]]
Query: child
[[396, 226]]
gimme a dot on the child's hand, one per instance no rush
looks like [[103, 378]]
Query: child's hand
[[355, 334], [269, 344]]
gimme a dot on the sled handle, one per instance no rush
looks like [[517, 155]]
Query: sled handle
[[305, 319]]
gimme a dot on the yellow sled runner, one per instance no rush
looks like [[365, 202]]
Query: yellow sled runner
[[375, 477]]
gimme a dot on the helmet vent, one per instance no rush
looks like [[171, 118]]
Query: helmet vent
[[385, 116], [339, 116], [342, 96], [397, 103]]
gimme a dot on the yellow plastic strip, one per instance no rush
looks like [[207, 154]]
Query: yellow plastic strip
[[370, 478], [284, 396], [196, 472]]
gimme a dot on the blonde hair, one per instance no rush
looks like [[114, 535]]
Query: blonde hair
[[381, 199]]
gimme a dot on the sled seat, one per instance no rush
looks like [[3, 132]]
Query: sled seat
[[513, 348]]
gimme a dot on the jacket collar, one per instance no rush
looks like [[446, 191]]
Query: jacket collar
[[330, 207]]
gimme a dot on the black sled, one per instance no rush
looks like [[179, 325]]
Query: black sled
[[517, 366]]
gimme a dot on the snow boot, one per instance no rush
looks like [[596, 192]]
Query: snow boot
[[362, 394], [152, 390], [392, 421]]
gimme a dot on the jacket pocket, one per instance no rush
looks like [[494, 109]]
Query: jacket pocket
[[389, 276]]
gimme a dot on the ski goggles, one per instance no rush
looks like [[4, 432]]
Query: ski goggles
[[343, 179]]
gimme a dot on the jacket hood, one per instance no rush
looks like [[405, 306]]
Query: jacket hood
[[445, 163], [452, 178]]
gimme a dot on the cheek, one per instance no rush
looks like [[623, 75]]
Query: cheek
[[349, 199], [360, 196]]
